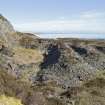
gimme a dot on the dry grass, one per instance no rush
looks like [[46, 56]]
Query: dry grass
[[94, 91], [27, 56], [27, 73], [4, 100], [13, 88], [3, 42]]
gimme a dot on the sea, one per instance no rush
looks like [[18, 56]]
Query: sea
[[71, 35]]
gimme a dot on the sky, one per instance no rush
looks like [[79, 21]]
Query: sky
[[62, 16]]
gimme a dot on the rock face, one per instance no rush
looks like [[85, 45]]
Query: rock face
[[5, 26], [6, 30], [71, 64]]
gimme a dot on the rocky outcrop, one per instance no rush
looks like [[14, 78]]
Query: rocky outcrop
[[64, 65], [6, 31], [70, 64]]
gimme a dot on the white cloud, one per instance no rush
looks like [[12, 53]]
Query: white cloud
[[93, 14], [91, 21]]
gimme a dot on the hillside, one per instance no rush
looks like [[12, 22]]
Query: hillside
[[35, 71]]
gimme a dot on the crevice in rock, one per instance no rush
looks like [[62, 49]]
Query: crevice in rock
[[52, 57], [6, 51], [101, 49], [81, 51]]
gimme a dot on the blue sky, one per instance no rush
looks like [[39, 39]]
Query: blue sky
[[74, 16]]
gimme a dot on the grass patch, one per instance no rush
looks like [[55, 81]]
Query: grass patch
[[11, 87], [98, 82], [5, 100], [27, 73], [54, 101], [27, 56], [93, 92]]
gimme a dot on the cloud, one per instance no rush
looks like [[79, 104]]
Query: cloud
[[92, 14], [86, 22]]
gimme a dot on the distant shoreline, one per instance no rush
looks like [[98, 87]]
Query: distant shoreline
[[72, 35]]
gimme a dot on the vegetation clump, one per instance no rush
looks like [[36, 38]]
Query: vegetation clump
[[5, 100], [26, 56]]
